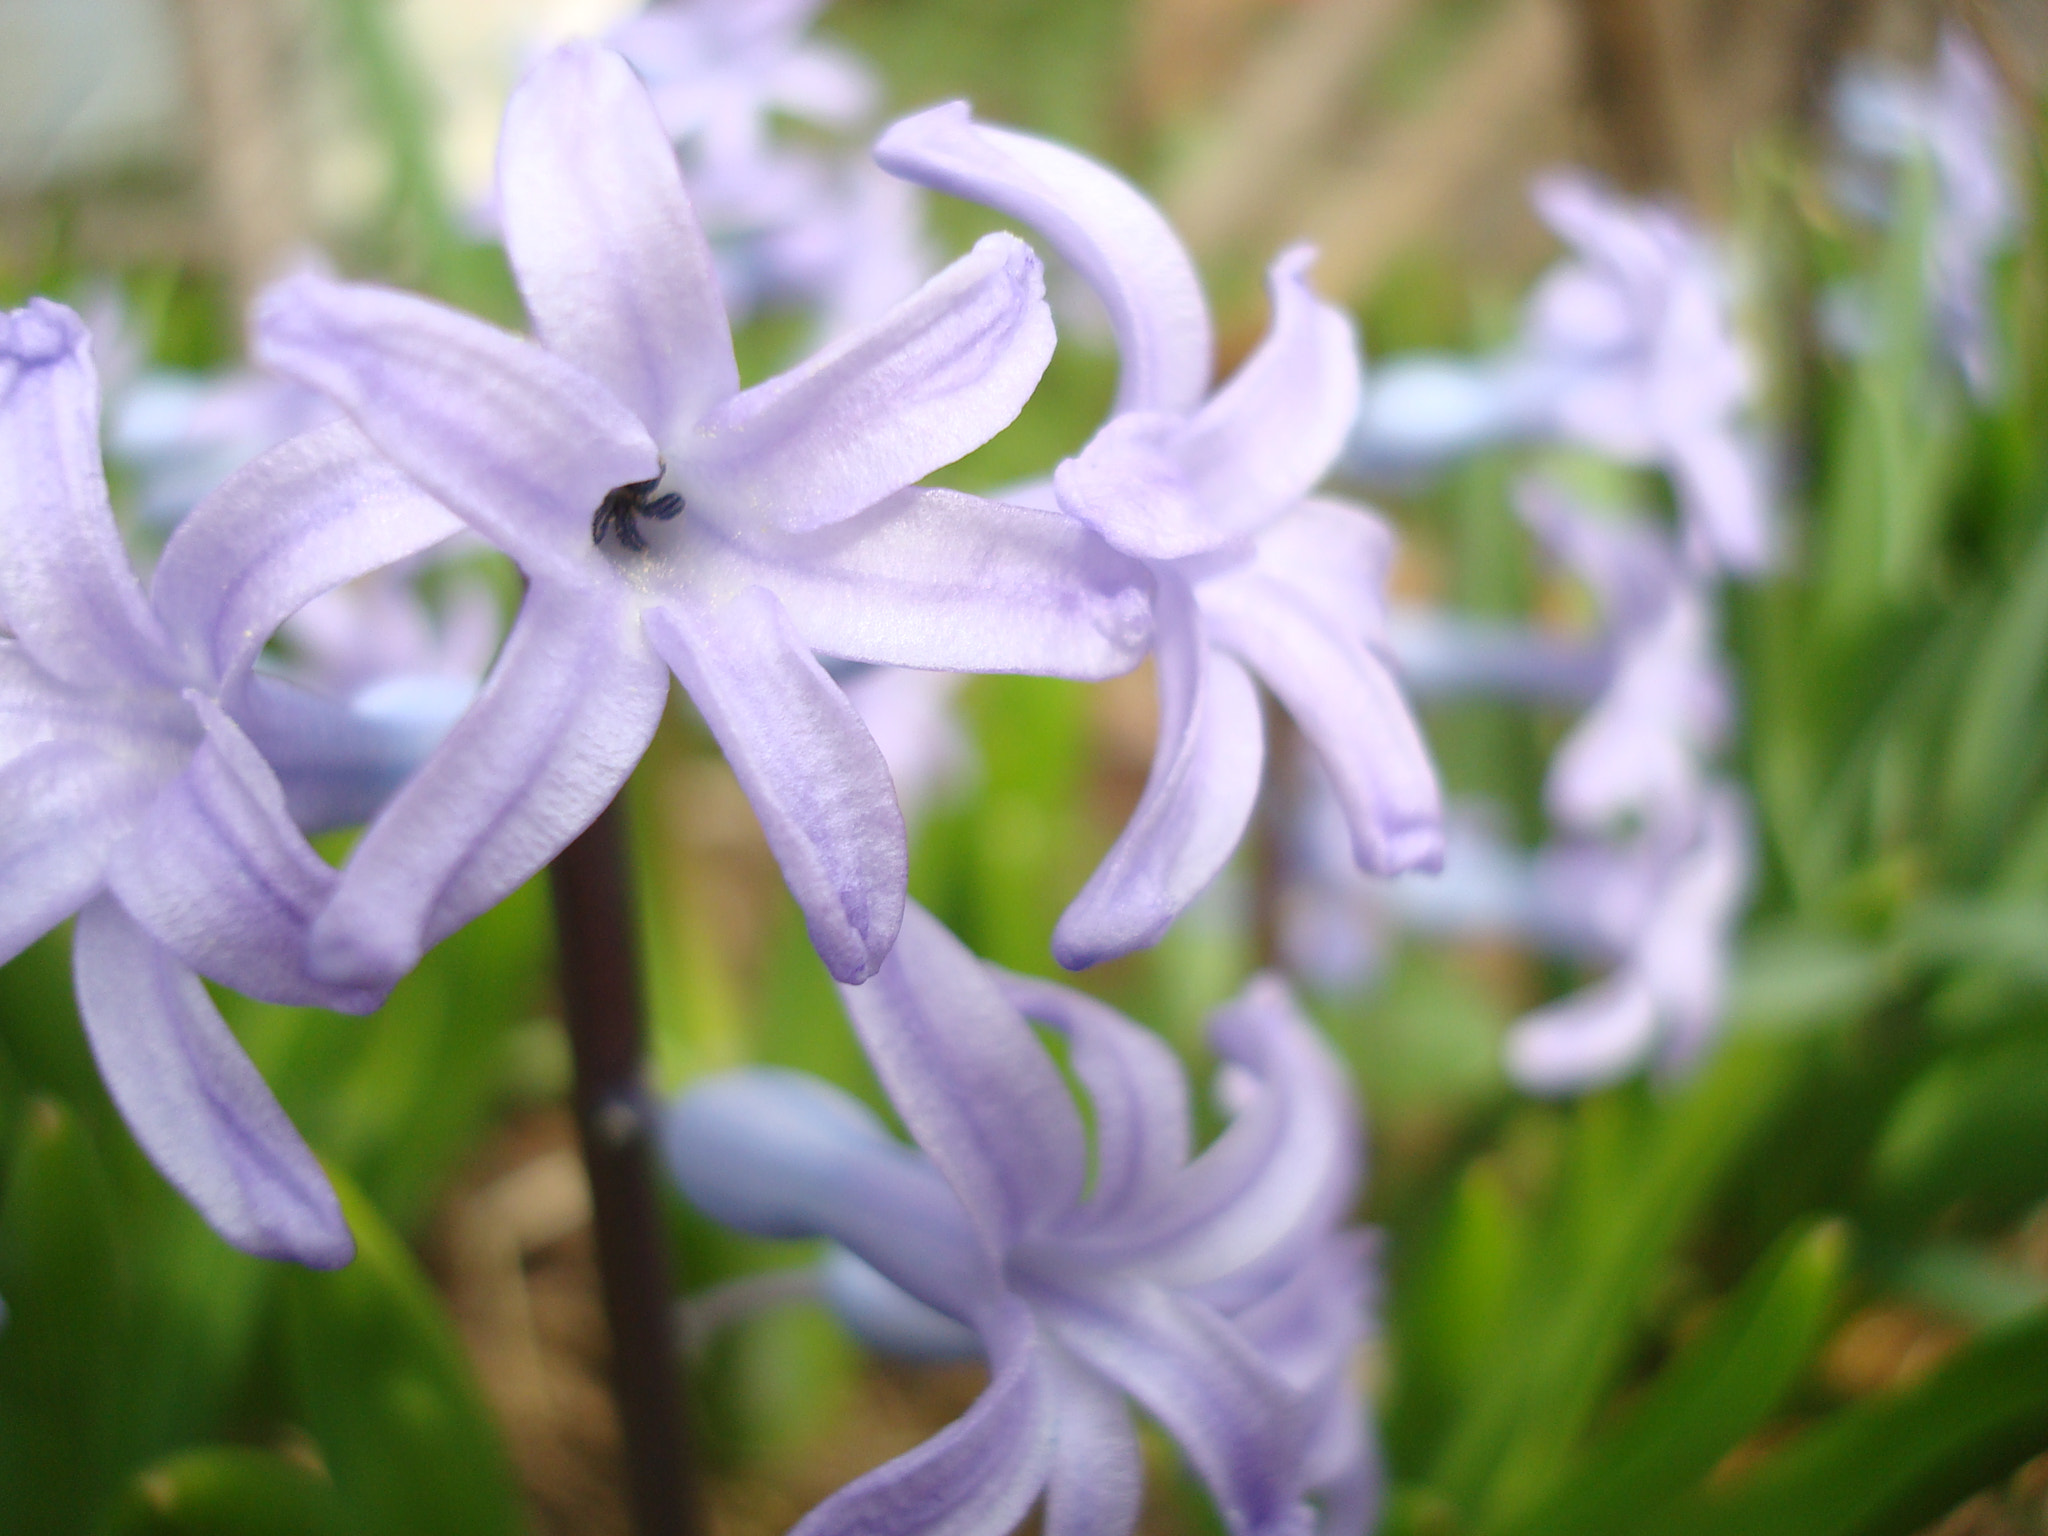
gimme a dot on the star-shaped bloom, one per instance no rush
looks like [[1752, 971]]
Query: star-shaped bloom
[[1219, 1292], [1670, 900], [1958, 120], [132, 788], [666, 519], [1629, 348], [1251, 574]]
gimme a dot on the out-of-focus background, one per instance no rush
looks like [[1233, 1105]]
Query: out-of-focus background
[[1886, 1124]]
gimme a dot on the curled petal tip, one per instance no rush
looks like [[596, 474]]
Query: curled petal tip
[[343, 954], [41, 331]]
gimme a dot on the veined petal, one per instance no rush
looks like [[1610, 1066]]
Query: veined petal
[[1352, 712], [1238, 1423], [219, 876], [936, 377], [887, 1318], [612, 262], [943, 581], [1130, 486], [1265, 438], [783, 1154], [1335, 558], [197, 1106], [67, 592], [565, 714], [815, 777], [1098, 222], [1204, 782], [1134, 1082], [1098, 1475], [1592, 1037], [976, 1477], [316, 511], [1278, 1179], [63, 807], [972, 1083], [519, 443]]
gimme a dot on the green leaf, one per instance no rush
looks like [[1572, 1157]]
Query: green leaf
[[1604, 1255], [1712, 1396], [1968, 1141], [381, 1382], [61, 1351], [228, 1491], [1894, 1464]]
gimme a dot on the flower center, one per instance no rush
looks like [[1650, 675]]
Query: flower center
[[623, 507]]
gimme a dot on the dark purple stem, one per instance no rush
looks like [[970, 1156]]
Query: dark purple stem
[[595, 925]]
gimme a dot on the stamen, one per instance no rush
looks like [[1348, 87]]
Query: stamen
[[623, 507]]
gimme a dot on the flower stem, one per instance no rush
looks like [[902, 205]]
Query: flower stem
[[595, 928]]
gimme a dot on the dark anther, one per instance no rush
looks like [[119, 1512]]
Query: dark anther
[[623, 507]]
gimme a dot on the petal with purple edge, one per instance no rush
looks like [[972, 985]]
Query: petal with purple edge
[[1279, 1176], [569, 707], [63, 807], [972, 1083], [1351, 710], [610, 257], [1265, 438], [1197, 802], [1238, 1423], [67, 592], [1135, 1084], [521, 444], [1098, 222], [817, 780], [1594, 1036], [943, 581], [1098, 1474], [782, 1154], [933, 379], [197, 1106], [976, 1477], [218, 875], [316, 511]]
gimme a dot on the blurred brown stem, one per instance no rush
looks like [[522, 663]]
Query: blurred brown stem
[[595, 927]]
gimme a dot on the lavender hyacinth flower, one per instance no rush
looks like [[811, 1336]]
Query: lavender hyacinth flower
[[1671, 902], [1251, 574], [1629, 349], [667, 520], [1219, 1292], [134, 786], [1958, 121]]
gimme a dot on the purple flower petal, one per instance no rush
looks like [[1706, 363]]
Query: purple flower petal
[[219, 876], [1135, 1085], [781, 1154], [1278, 1178], [566, 712], [1351, 710], [972, 1083], [1239, 1424], [1098, 222], [976, 1477], [1097, 1481], [319, 510], [1204, 783], [1335, 558], [943, 581], [614, 267], [517, 442], [1265, 438], [936, 377], [1596, 1035], [63, 807], [1130, 485], [816, 778], [67, 593], [197, 1106]]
